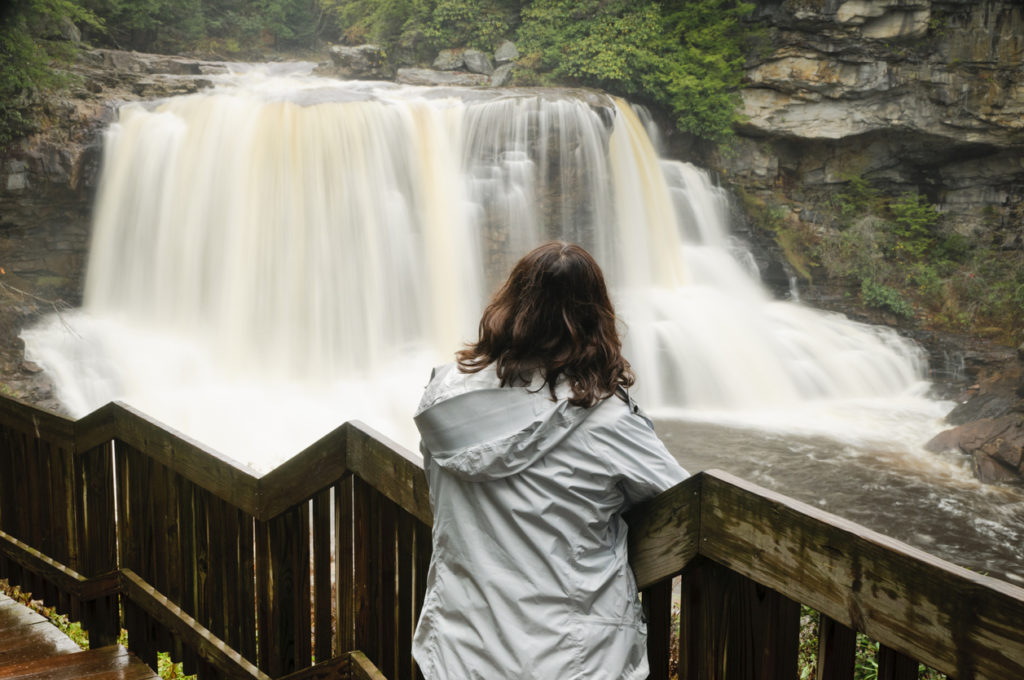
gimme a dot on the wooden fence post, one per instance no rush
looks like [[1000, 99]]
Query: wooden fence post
[[837, 647], [96, 538], [732, 628]]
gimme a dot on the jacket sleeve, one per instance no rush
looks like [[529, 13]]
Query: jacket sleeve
[[639, 460]]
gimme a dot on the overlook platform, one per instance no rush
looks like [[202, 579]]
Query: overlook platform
[[317, 569]]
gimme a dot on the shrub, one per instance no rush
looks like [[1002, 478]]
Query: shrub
[[879, 296], [913, 218]]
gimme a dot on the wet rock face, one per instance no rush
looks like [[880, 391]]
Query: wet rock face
[[430, 77], [989, 420], [916, 94], [47, 182]]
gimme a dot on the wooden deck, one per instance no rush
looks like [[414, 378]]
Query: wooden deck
[[120, 523], [32, 648]]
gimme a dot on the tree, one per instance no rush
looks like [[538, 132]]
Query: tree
[[33, 45], [686, 56]]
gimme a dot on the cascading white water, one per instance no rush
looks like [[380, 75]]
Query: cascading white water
[[283, 254]]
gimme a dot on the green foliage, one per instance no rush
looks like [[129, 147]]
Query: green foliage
[[168, 670], [417, 29], [684, 56], [232, 26], [954, 248], [896, 251], [856, 198], [468, 23], [913, 219], [387, 22], [32, 50], [879, 296], [865, 660]]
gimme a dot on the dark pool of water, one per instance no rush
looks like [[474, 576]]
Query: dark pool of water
[[927, 500]]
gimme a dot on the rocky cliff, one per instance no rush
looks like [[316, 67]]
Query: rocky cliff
[[46, 186], [925, 95]]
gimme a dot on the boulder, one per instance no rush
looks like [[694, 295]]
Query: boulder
[[506, 52], [502, 75], [987, 406], [478, 62], [428, 77], [992, 472], [996, 446], [363, 62], [68, 30], [157, 87], [449, 60]]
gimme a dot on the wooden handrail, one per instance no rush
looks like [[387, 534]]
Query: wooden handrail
[[962, 623]]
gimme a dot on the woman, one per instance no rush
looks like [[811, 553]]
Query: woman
[[533, 449]]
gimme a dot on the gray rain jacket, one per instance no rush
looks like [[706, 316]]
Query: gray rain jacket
[[529, 576]]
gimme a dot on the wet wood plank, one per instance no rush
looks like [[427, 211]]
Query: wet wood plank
[[344, 564], [390, 469], [105, 663], [363, 668], [664, 532], [322, 596], [895, 666], [37, 422], [14, 615], [225, 478], [246, 588], [96, 544], [314, 469], [406, 595], [387, 600], [338, 668], [209, 647], [837, 647], [658, 606], [954, 620]]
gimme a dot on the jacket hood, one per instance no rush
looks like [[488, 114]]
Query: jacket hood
[[479, 431]]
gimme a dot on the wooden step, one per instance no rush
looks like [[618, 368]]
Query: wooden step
[[31, 648], [107, 663], [13, 615], [34, 642]]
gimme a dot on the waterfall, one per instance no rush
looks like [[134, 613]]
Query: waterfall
[[284, 253]]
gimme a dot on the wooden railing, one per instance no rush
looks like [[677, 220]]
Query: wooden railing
[[317, 569]]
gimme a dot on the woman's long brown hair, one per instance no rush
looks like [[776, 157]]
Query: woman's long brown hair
[[553, 315]]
